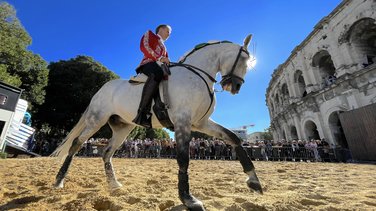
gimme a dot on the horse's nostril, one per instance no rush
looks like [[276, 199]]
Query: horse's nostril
[[238, 87]]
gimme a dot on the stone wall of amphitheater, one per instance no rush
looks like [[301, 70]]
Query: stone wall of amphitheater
[[332, 71]]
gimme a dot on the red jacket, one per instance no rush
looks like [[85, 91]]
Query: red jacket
[[152, 47]]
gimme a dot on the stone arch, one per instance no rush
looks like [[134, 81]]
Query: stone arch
[[293, 132], [337, 130], [310, 130], [271, 106], [285, 93], [276, 102], [322, 60], [276, 99], [362, 35], [300, 83]]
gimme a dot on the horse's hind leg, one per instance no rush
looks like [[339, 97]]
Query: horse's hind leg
[[89, 130], [216, 130], [182, 136], [120, 131]]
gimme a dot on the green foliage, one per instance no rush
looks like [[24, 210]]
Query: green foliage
[[160, 134], [18, 66], [267, 134], [138, 133], [71, 86], [142, 133], [3, 155]]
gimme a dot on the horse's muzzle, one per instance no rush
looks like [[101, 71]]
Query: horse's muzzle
[[232, 84]]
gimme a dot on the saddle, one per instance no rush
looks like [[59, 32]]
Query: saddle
[[160, 107]]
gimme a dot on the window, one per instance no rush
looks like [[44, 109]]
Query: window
[[3, 99], [2, 124]]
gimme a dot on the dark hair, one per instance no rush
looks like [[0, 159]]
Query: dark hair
[[161, 26]]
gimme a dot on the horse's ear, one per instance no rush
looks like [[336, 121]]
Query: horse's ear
[[247, 40]]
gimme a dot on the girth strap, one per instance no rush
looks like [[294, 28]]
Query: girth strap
[[192, 69]]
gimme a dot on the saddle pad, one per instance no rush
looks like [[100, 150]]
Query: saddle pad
[[139, 78]]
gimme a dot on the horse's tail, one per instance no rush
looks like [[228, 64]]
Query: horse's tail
[[61, 152]]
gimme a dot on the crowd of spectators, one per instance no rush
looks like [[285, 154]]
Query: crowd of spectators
[[215, 149], [164, 148], [295, 150]]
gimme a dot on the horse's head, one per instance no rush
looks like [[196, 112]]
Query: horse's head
[[234, 62]]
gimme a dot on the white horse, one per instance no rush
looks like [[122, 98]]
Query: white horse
[[192, 100]]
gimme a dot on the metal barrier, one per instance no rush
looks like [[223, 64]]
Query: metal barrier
[[276, 153]]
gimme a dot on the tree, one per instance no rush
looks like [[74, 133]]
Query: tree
[[159, 134], [71, 86], [142, 133], [267, 134], [18, 66], [138, 133]]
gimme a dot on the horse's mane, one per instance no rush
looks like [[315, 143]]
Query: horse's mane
[[198, 46]]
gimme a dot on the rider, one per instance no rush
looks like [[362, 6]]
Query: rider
[[155, 53]]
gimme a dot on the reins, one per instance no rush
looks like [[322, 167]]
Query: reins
[[193, 69]]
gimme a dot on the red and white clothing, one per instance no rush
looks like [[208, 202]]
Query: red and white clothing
[[152, 47]]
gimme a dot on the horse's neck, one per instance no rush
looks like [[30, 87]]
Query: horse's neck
[[205, 59]]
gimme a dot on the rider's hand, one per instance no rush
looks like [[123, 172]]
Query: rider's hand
[[165, 60]]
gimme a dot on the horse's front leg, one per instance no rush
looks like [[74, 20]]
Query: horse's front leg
[[216, 130], [182, 137]]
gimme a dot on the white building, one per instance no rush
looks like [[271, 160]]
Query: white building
[[255, 136], [332, 71], [9, 97], [13, 133]]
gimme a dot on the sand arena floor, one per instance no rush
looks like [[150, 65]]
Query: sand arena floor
[[151, 184]]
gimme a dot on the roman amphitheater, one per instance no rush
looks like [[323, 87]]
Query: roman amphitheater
[[330, 73]]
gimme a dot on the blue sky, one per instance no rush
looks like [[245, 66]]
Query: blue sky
[[109, 31]]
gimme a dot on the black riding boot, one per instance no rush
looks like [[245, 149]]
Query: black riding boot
[[143, 117]]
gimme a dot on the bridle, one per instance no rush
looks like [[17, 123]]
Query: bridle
[[231, 75], [225, 79]]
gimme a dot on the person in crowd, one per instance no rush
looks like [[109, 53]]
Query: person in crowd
[[326, 150], [192, 148], [202, 149], [294, 149], [217, 149], [269, 148], [301, 150], [264, 155], [158, 148]]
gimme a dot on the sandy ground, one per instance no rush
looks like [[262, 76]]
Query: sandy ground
[[151, 184]]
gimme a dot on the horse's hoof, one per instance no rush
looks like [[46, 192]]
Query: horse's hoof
[[59, 185], [255, 186], [254, 183], [115, 185], [192, 203], [196, 207]]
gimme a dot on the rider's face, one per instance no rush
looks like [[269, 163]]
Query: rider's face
[[164, 32]]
